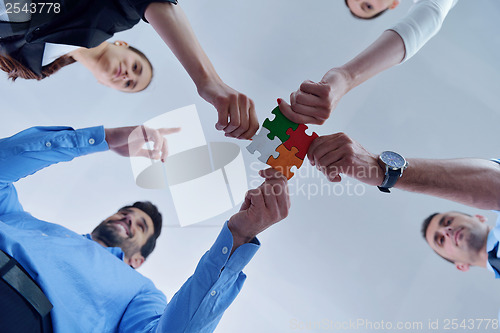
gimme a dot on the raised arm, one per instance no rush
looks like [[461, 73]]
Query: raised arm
[[33, 149], [36, 148], [199, 305], [473, 182], [313, 102], [236, 112]]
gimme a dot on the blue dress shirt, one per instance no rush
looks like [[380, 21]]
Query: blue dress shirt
[[90, 286]]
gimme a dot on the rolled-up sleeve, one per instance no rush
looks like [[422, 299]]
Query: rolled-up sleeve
[[422, 22]]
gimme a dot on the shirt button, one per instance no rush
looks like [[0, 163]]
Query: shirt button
[[224, 250], [91, 141], [213, 293], [48, 144]]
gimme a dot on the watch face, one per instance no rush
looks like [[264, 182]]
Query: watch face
[[392, 159]]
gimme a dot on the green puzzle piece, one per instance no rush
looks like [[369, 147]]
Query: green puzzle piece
[[279, 125]]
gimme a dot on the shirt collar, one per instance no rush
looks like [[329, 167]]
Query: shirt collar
[[116, 251]]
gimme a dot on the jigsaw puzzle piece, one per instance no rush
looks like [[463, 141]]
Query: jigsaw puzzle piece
[[279, 125], [285, 161], [261, 143], [300, 140]]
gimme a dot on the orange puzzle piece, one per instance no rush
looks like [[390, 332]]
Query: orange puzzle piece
[[285, 161]]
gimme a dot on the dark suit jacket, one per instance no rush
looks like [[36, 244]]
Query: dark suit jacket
[[85, 23]]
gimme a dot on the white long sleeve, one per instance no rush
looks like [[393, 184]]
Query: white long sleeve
[[422, 22]]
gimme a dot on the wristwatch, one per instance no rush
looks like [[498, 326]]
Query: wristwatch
[[394, 164]]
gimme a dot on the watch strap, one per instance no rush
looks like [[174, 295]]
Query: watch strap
[[391, 177]]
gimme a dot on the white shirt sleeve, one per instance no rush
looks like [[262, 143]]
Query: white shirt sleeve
[[421, 23]]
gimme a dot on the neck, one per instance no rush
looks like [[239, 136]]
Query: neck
[[89, 57], [483, 254]]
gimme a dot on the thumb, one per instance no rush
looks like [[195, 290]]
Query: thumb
[[291, 115], [287, 110]]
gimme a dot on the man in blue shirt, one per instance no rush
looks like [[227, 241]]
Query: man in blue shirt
[[459, 238], [90, 280]]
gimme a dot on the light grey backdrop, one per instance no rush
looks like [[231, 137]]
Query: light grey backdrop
[[350, 254]]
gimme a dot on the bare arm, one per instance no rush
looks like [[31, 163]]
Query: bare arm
[[387, 51], [473, 182], [314, 102], [236, 111]]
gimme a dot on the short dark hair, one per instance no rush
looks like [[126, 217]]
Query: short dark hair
[[365, 18], [425, 226], [152, 211]]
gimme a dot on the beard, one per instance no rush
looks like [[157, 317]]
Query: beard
[[108, 234], [476, 241]]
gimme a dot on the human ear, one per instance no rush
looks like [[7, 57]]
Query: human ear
[[394, 4], [136, 260], [481, 218], [462, 267]]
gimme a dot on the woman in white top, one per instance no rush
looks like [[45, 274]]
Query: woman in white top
[[313, 102]]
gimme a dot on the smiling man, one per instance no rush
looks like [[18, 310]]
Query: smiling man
[[55, 280], [134, 229]]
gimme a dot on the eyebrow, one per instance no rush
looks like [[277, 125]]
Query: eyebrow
[[441, 221]]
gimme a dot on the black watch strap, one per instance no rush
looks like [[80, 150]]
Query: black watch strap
[[391, 177]]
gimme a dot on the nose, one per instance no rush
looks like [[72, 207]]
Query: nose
[[128, 219], [448, 232], [125, 75]]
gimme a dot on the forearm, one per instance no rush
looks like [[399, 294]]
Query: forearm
[[200, 303], [388, 50], [473, 182], [172, 25]]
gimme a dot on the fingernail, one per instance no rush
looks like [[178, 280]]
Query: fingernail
[[279, 101]]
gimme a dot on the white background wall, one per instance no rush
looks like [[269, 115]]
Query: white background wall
[[337, 257]]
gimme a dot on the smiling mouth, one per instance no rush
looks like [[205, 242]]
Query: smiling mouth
[[122, 225]]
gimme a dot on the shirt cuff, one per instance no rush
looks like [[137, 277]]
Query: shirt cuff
[[91, 140], [221, 250]]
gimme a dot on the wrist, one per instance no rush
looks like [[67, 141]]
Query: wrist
[[239, 237], [340, 77], [205, 82], [108, 133]]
